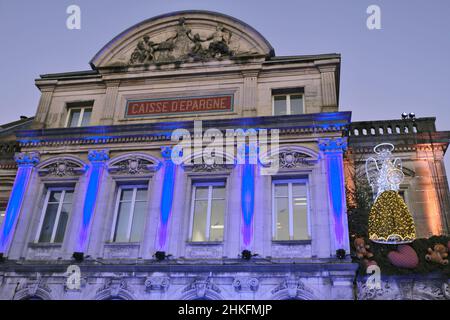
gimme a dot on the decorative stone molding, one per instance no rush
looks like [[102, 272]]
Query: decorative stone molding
[[133, 165], [201, 288], [27, 158], [293, 288], [156, 284], [114, 288], [293, 159], [203, 167], [33, 287], [333, 144], [185, 45], [246, 284], [62, 167], [98, 155]]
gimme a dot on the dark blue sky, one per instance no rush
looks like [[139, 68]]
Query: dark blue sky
[[403, 67]]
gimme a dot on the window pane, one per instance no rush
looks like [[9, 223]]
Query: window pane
[[2, 217], [201, 193], [282, 219], [137, 227], [296, 104], [299, 189], [141, 194], [126, 195], [279, 105], [281, 190], [122, 222], [63, 217], [199, 225], [49, 222], [217, 213], [55, 196], [68, 196], [218, 192], [86, 117], [300, 220], [74, 118]]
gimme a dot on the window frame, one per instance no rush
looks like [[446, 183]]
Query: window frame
[[288, 103], [290, 182], [80, 120], [134, 187], [210, 185], [58, 213]]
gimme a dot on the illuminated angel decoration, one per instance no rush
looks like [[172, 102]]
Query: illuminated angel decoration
[[382, 172], [390, 221]]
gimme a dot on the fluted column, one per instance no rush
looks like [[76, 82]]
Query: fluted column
[[97, 159], [332, 150], [26, 162]]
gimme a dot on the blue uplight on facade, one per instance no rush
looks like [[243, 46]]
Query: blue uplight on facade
[[89, 202], [247, 201], [335, 182], [166, 197], [14, 205]]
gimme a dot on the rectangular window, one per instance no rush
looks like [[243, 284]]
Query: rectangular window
[[79, 117], [207, 211], [131, 206], [290, 210], [285, 104], [57, 207]]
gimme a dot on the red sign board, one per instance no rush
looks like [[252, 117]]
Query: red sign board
[[152, 107]]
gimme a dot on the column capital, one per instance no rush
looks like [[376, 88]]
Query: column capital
[[332, 144], [166, 152], [27, 158], [98, 155]]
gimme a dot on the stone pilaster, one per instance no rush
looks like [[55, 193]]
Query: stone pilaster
[[26, 162], [97, 159], [328, 85], [44, 102], [332, 150], [249, 99], [112, 89]]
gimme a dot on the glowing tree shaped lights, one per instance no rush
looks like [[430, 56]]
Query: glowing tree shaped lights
[[390, 221]]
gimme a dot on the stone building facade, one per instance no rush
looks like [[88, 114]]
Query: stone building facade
[[96, 190]]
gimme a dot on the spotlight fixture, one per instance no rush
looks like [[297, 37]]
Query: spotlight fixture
[[404, 115], [247, 254], [340, 254], [78, 256], [412, 115], [161, 255], [2, 258]]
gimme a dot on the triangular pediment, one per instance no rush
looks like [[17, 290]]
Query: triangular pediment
[[185, 36]]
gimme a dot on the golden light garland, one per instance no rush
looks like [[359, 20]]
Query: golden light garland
[[390, 221]]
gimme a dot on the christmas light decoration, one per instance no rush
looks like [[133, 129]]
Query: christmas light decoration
[[390, 221]]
